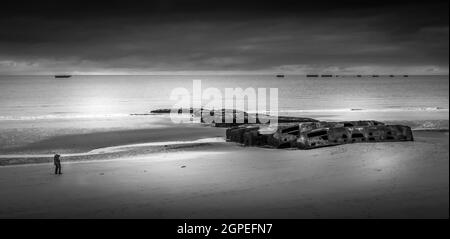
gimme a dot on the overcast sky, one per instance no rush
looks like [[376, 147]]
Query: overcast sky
[[166, 37]]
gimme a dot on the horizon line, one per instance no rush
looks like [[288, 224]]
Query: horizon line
[[186, 74]]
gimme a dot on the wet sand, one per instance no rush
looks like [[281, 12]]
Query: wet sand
[[225, 180], [73, 143], [82, 135]]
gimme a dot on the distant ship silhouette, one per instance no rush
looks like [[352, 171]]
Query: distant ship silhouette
[[63, 76]]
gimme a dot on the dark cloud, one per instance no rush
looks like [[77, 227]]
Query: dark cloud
[[231, 36]]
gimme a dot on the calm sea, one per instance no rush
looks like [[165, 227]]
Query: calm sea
[[40, 97]]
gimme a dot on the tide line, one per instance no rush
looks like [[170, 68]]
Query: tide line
[[115, 149]]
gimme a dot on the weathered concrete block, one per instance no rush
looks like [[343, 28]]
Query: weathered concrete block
[[342, 135]]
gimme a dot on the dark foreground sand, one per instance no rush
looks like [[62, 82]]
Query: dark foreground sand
[[225, 180]]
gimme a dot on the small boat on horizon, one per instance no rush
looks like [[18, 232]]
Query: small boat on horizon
[[63, 76], [280, 76]]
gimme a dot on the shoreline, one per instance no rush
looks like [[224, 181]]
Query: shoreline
[[206, 138], [78, 143], [75, 144]]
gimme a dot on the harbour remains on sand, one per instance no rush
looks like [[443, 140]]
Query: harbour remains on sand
[[309, 135], [300, 132]]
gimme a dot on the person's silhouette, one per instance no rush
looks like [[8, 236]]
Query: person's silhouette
[[57, 162]]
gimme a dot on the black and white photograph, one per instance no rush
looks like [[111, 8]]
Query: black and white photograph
[[195, 109]]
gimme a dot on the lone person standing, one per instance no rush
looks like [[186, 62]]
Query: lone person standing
[[57, 162]]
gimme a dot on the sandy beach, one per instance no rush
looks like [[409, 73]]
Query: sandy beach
[[195, 174]]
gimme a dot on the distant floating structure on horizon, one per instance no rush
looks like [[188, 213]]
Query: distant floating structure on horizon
[[405, 75], [391, 75], [280, 76], [358, 75], [312, 75], [327, 75], [375, 76], [63, 76]]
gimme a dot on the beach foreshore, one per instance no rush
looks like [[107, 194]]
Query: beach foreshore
[[214, 179]]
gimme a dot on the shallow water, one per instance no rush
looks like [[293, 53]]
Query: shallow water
[[414, 98], [90, 96]]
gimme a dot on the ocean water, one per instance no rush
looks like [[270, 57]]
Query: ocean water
[[44, 97]]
